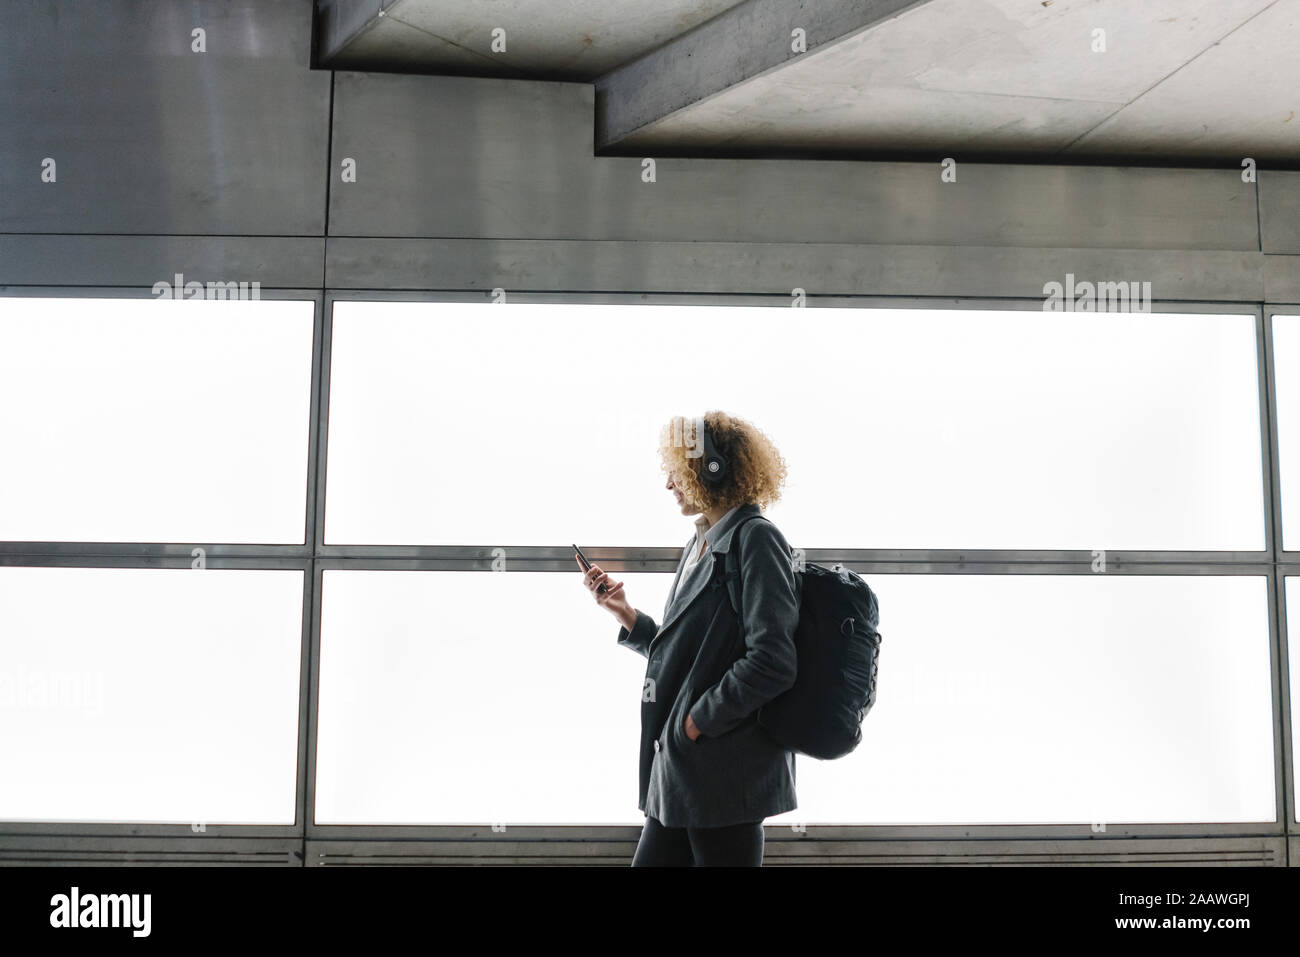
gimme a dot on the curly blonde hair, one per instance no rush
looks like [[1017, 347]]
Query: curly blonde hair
[[756, 471]]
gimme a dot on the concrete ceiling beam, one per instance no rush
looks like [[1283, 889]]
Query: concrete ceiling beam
[[747, 41]]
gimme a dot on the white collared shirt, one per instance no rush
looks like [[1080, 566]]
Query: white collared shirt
[[704, 536], [701, 526]]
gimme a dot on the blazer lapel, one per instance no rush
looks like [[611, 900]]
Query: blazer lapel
[[672, 592], [683, 601], [702, 577]]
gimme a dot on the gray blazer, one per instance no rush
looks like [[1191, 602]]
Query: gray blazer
[[699, 663]]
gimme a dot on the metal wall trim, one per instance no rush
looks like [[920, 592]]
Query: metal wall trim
[[859, 832], [473, 558], [777, 268], [1284, 714], [99, 850], [139, 260], [819, 847], [1271, 309]]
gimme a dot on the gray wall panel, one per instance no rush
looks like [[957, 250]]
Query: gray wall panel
[[908, 203], [473, 158], [149, 137], [456, 156], [1279, 211], [1282, 278], [777, 268], [273, 261]]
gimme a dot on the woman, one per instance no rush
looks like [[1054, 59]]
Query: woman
[[709, 772]]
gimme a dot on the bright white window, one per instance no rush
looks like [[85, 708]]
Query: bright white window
[[532, 424], [154, 420], [471, 697], [1073, 699], [149, 695]]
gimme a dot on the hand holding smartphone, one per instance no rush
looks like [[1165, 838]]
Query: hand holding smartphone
[[586, 566], [608, 593]]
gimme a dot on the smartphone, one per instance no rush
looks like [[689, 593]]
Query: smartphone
[[587, 566]]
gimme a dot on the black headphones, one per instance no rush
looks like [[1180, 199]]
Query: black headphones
[[714, 467]]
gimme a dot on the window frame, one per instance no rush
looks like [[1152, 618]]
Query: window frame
[[319, 841]]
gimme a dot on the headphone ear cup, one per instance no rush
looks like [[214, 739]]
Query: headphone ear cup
[[714, 466]]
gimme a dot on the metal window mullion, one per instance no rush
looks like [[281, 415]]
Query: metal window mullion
[[1284, 742]]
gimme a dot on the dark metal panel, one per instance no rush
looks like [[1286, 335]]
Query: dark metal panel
[[150, 137], [73, 260], [777, 268], [486, 158]]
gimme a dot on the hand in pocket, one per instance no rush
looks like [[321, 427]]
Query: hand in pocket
[[692, 732]]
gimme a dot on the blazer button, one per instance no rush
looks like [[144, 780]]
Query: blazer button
[[656, 745]]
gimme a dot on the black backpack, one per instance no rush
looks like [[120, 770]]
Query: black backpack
[[838, 646]]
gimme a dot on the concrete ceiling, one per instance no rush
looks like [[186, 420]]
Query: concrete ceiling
[[545, 39], [1189, 82]]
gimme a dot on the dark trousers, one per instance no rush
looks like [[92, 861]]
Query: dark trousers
[[737, 845]]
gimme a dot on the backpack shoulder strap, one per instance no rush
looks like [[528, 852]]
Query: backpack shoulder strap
[[732, 577]]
